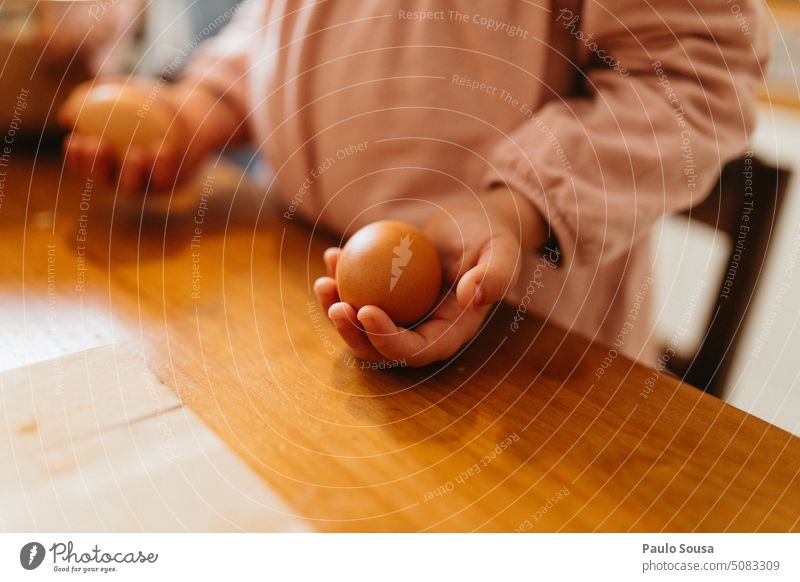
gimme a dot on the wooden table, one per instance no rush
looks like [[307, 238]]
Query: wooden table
[[515, 434]]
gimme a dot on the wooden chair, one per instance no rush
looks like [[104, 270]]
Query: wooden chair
[[731, 200]]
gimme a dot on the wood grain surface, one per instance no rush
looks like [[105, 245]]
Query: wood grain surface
[[515, 434]]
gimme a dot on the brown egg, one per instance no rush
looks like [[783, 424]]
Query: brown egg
[[122, 116], [391, 265]]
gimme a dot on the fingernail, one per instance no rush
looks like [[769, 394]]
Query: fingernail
[[478, 297], [366, 321]]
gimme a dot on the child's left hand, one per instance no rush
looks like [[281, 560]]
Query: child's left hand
[[480, 245]]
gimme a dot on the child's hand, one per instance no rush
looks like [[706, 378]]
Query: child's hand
[[156, 164], [480, 245], [160, 165]]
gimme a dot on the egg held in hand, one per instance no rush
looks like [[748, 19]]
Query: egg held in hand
[[129, 116], [125, 116], [391, 265]]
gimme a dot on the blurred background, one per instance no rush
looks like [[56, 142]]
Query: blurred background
[[726, 297]]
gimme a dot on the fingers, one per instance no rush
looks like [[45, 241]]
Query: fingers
[[133, 171], [436, 339], [390, 341], [374, 337], [496, 272], [78, 152], [141, 167], [326, 292], [103, 164], [382, 340], [343, 317], [165, 166], [331, 258], [89, 155], [72, 150], [68, 113]]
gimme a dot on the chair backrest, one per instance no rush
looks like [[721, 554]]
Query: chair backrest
[[744, 204]]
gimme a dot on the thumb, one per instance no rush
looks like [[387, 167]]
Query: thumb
[[68, 112], [496, 271]]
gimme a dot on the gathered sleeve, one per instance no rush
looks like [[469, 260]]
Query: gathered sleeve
[[670, 97]]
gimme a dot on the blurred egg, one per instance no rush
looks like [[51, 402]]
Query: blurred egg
[[130, 115], [122, 116], [391, 265]]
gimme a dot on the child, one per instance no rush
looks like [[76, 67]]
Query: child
[[537, 142]]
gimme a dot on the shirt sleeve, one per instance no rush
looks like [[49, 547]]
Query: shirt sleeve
[[221, 64], [670, 98]]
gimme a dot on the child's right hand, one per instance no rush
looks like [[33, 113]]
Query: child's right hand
[[157, 165], [204, 123]]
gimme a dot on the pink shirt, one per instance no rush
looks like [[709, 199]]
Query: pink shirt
[[606, 114]]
